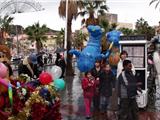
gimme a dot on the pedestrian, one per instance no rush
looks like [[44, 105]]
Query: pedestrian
[[88, 86], [123, 56], [29, 66], [96, 72], [61, 63], [50, 58], [127, 91], [106, 86]]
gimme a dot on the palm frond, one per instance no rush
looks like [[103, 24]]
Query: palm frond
[[152, 2], [104, 7], [157, 4]]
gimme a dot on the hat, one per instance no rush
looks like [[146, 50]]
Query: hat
[[33, 58]]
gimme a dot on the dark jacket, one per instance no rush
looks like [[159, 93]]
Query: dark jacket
[[96, 74], [107, 82], [128, 90], [24, 69], [61, 63]]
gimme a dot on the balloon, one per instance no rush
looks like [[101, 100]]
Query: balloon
[[56, 71], [59, 84], [3, 70], [4, 85], [10, 94], [45, 78], [114, 58], [2, 101]]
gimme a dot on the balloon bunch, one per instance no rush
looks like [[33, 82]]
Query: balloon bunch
[[39, 96], [58, 82]]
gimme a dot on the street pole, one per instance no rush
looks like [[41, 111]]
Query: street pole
[[65, 40], [17, 32]]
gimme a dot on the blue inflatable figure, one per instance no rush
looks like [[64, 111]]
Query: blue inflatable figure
[[113, 37], [92, 52]]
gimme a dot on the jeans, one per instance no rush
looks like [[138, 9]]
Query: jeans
[[96, 102], [104, 101]]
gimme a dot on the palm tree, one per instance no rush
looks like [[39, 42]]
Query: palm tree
[[106, 27], [79, 38], [60, 38], [142, 27], [72, 14], [5, 23], [92, 8], [153, 1], [37, 33]]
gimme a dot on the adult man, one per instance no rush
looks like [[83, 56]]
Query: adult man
[[29, 66], [123, 56], [127, 92]]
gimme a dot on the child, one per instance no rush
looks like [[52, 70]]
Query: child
[[88, 86]]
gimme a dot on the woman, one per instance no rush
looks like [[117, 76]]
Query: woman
[[123, 56]]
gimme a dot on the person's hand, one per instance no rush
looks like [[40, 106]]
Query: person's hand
[[139, 83], [139, 89], [89, 84], [97, 78]]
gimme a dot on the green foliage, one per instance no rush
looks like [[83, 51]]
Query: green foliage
[[126, 31], [79, 38], [5, 23], [92, 8], [60, 38], [105, 25], [37, 33], [142, 27]]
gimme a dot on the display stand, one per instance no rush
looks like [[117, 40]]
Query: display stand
[[136, 47]]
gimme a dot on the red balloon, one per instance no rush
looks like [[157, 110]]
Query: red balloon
[[45, 78]]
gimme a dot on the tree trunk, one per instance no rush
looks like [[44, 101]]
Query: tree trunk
[[69, 69], [38, 45], [2, 38]]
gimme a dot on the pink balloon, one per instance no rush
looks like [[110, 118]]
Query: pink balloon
[[3, 70], [4, 82]]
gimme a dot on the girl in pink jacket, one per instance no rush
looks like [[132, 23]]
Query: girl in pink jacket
[[88, 86]]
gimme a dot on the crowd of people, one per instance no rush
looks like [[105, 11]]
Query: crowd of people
[[100, 83]]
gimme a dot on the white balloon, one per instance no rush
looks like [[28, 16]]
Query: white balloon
[[56, 72]]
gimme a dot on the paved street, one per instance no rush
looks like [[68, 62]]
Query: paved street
[[72, 107]]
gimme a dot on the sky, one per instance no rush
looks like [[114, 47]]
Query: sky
[[128, 11]]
